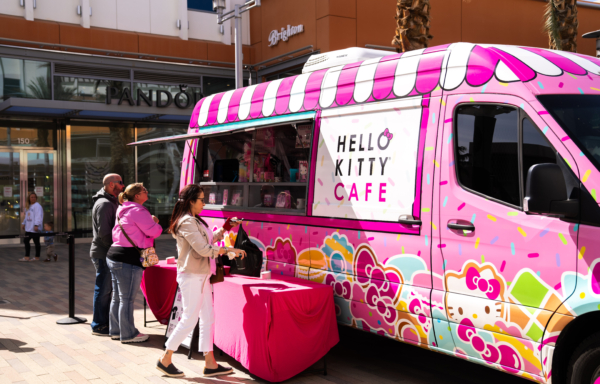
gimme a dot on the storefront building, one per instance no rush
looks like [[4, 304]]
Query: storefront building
[[77, 87], [329, 25], [67, 119]]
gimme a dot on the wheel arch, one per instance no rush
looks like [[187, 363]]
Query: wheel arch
[[569, 339]]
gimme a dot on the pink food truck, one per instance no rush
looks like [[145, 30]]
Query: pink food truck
[[448, 195]]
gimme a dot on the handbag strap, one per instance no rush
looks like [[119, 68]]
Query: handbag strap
[[127, 236]]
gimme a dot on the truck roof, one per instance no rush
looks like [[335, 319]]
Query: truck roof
[[415, 73]]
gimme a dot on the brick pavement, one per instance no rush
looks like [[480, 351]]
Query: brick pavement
[[34, 349]]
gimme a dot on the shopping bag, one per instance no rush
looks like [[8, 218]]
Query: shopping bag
[[253, 254]]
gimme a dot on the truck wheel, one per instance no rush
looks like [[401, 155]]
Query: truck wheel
[[584, 367]]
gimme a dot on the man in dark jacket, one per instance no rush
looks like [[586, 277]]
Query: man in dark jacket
[[103, 221]]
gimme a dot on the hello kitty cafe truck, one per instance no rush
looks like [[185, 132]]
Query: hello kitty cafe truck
[[448, 195]]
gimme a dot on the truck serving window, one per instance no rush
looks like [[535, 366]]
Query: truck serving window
[[261, 170], [579, 116], [366, 163]]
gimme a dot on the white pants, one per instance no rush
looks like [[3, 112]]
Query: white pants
[[197, 300]]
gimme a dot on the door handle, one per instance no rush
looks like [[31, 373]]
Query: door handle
[[409, 220], [462, 227]]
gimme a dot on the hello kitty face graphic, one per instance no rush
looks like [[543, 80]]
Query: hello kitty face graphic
[[303, 169], [480, 312], [477, 293]]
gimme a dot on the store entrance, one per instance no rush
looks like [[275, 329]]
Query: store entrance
[[22, 171]]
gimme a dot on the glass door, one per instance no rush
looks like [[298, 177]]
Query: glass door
[[10, 200], [40, 174], [23, 171]]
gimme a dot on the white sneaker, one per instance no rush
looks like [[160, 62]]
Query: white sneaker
[[138, 339]]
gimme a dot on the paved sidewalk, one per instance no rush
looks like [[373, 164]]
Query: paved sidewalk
[[34, 349]]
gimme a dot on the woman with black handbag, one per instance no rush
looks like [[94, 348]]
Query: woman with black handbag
[[195, 266]]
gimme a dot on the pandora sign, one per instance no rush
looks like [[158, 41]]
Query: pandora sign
[[284, 34]]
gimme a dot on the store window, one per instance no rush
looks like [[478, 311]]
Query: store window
[[24, 78], [265, 170], [212, 85], [42, 135], [200, 5], [194, 92], [85, 89], [95, 151], [159, 168]]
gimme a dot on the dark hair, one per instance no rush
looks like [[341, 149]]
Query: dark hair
[[50, 224], [187, 196]]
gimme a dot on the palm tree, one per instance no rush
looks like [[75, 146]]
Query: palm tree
[[561, 24], [412, 19]]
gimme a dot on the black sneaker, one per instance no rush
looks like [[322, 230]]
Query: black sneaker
[[101, 331], [220, 370], [170, 371]]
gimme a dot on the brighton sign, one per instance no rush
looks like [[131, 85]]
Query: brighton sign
[[182, 99], [284, 34]]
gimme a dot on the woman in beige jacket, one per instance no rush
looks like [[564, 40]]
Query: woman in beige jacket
[[196, 256]]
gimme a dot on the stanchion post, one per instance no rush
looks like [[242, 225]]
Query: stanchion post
[[72, 319]]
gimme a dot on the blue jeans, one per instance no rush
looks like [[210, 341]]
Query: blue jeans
[[101, 295], [126, 280]]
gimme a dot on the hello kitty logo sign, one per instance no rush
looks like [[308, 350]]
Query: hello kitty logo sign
[[388, 135], [367, 169]]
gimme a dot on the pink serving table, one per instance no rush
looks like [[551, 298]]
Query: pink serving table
[[159, 285], [275, 328]]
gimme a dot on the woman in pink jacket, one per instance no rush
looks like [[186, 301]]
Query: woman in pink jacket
[[123, 260]]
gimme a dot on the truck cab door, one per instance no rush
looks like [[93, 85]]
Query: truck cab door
[[502, 267]]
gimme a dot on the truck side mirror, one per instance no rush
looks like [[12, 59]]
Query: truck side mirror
[[547, 192]]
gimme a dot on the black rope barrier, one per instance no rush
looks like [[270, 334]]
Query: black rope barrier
[[72, 319]]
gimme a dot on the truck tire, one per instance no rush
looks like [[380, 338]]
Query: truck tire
[[584, 367]]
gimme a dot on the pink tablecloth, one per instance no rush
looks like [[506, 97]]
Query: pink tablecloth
[[275, 328], [159, 285]]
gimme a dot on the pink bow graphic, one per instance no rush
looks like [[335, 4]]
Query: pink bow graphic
[[388, 134], [491, 287]]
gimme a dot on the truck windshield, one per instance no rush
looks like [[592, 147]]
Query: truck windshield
[[579, 116]]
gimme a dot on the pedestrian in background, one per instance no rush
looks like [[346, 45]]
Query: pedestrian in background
[[135, 229], [103, 221], [49, 241], [195, 264], [32, 225]]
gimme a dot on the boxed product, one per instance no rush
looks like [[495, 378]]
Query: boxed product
[[225, 196], [302, 171], [243, 173], [268, 200], [236, 199]]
